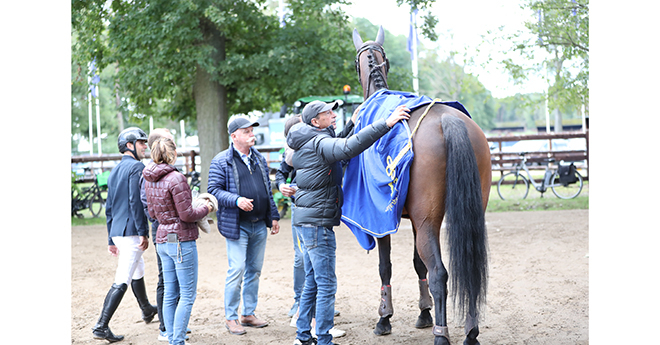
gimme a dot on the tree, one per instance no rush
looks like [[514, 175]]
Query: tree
[[210, 59], [561, 29], [447, 80]]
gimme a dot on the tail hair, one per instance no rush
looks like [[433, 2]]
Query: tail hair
[[466, 226]]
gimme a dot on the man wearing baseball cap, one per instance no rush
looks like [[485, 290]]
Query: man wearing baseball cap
[[238, 178], [317, 210]]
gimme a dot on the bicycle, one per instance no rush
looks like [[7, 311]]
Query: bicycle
[[565, 182], [89, 197], [195, 181]]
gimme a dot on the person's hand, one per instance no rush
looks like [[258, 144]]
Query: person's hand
[[112, 249], [144, 243], [276, 228], [400, 113], [245, 204], [287, 190], [355, 114]]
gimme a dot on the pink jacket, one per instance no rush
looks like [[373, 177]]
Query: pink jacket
[[170, 201]]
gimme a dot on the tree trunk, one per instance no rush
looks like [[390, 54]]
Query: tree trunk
[[211, 105]]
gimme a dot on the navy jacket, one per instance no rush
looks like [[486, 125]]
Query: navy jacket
[[123, 208], [224, 184]]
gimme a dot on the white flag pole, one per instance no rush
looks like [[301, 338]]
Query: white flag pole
[[414, 60], [91, 131], [98, 120], [183, 135]]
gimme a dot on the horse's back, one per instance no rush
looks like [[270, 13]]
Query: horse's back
[[427, 186]]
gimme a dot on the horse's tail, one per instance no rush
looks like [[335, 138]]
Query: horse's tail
[[466, 225]]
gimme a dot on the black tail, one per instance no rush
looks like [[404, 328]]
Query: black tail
[[466, 225]]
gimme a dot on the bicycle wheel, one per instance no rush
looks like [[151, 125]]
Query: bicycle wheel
[[513, 186], [569, 191], [96, 204]]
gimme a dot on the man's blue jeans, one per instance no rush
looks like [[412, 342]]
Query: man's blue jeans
[[180, 278], [246, 258], [319, 252], [298, 264]]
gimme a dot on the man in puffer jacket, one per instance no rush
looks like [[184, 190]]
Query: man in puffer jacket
[[317, 160], [238, 178]]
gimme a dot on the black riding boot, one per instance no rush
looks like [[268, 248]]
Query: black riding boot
[[140, 292], [112, 300]]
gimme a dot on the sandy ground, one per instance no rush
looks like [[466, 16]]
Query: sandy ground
[[538, 289]]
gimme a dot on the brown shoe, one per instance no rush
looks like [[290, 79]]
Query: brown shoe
[[234, 327], [252, 321]]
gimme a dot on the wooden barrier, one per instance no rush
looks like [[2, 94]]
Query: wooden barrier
[[504, 161], [501, 161]]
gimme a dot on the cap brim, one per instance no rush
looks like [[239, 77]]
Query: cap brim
[[328, 106]]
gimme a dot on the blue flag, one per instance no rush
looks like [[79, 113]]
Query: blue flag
[[411, 35]]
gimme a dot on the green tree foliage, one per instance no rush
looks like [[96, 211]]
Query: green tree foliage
[[211, 59], [448, 81], [560, 29]]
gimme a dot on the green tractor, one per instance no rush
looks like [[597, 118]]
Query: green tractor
[[347, 104]]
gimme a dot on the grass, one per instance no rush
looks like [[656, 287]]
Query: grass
[[534, 201]]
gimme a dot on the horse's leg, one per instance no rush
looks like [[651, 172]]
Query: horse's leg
[[424, 319], [426, 207], [429, 249], [386, 309]]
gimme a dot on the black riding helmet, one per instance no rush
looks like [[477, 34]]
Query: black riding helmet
[[130, 135]]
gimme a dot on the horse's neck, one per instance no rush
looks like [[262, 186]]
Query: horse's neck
[[372, 89]]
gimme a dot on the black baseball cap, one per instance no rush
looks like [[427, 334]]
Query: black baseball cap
[[240, 122]]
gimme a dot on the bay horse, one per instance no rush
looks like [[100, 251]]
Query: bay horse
[[450, 175]]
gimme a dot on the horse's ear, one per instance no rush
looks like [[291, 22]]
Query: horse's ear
[[357, 40], [380, 38]]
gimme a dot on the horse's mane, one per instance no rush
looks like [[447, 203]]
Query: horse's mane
[[378, 78]]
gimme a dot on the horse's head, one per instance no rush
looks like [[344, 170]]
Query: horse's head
[[372, 67]]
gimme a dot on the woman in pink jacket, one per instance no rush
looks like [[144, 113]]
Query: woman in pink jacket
[[170, 201]]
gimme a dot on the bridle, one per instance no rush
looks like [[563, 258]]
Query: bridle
[[374, 67]]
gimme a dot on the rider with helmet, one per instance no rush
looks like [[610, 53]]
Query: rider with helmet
[[127, 231]]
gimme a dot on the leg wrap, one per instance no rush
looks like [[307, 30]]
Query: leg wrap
[[425, 301], [386, 309]]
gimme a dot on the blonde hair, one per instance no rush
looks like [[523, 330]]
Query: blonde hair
[[157, 133], [163, 150]]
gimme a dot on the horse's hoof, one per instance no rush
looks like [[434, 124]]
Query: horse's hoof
[[424, 320], [471, 338], [383, 327], [382, 330], [441, 341]]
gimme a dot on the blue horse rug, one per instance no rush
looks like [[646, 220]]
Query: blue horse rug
[[376, 181]]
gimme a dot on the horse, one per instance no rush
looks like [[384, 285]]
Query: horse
[[450, 176]]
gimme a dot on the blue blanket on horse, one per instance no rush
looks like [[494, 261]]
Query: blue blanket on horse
[[376, 181]]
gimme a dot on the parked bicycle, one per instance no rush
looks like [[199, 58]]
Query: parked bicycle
[[89, 197], [194, 180], [565, 182]]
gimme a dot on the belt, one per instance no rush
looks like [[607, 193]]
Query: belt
[[251, 220]]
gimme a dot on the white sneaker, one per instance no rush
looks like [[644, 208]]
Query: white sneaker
[[162, 336], [335, 332]]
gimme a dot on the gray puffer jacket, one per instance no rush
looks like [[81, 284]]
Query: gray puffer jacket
[[317, 160]]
